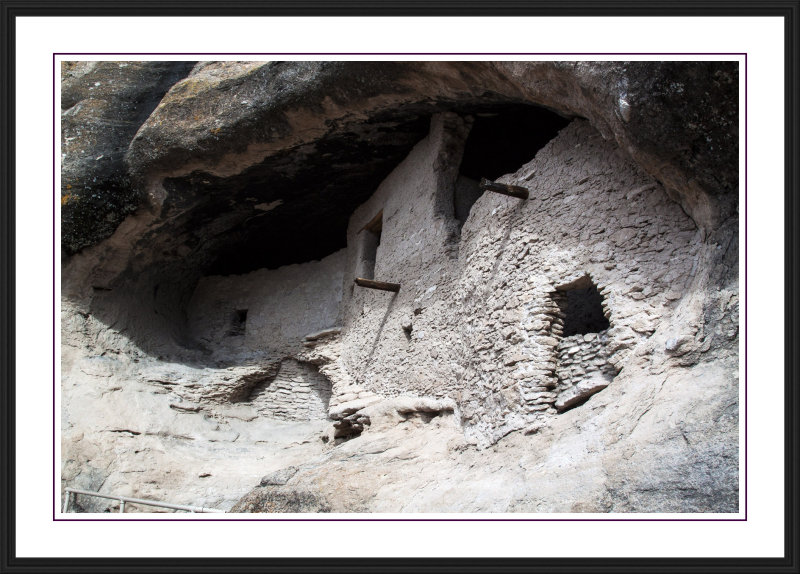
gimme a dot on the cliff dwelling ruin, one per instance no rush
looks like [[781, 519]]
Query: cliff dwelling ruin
[[521, 277]]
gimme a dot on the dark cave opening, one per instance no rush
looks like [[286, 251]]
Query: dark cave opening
[[238, 323], [582, 308], [294, 206], [500, 142]]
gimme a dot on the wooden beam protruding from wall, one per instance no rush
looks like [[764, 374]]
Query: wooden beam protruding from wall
[[504, 188], [382, 285]]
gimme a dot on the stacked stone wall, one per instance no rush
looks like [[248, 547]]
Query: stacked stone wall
[[583, 368], [476, 318], [299, 392]]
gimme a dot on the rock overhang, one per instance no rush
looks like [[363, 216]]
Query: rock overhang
[[318, 137], [678, 119], [259, 164], [294, 205]]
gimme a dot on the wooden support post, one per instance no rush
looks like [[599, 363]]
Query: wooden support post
[[382, 285], [504, 188]]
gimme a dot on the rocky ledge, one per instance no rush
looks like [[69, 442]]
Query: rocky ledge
[[575, 351]]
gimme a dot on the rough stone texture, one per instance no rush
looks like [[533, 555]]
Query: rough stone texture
[[645, 444], [583, 368], [484, 319], [228, 301], [579, 392], [127, 435], [677, 120], [103, 104], [270, 499], [280, 477], [298, 392]]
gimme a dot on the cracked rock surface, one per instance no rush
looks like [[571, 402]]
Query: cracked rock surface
[[573, 352]]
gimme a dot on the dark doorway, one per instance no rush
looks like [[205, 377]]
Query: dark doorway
[[238, 323], [582, 308], [370, 238], [501, 141]]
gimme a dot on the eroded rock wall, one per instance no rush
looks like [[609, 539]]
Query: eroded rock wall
[[103, 105], [183, 384]]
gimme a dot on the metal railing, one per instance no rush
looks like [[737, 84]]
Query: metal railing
[[70, 492]]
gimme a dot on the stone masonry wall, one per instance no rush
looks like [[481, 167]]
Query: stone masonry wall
[[591, 212], [419, 240], [299, 392], [583, 368], [475, 318], [581, 355]]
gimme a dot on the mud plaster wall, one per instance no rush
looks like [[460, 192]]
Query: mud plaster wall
[[475, 318], [283, 305], [419, 240]]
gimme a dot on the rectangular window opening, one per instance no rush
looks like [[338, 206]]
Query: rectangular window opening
[[370, 238], [582, 308], [238, 322]]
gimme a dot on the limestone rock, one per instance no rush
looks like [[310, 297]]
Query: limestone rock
[[268, 499], [103, 105], [280, 477], [580, 392], [198, 299]]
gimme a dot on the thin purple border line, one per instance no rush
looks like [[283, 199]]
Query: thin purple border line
[[746, 174], [53, 199], [402, 519], [399, 54], [399, 519]]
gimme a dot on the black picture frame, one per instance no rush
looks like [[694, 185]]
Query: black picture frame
[[789, 10]]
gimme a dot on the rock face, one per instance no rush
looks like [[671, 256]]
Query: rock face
[[103, 104], [573, 352]]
